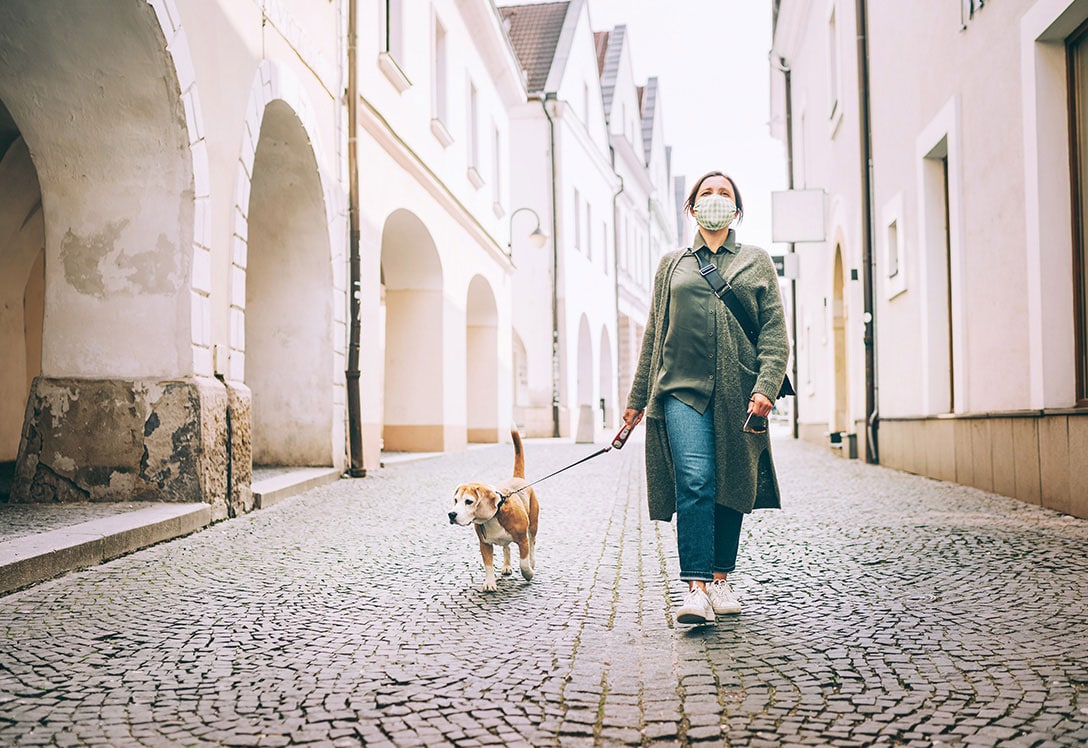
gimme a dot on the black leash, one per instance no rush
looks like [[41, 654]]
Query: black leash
[[618, 442], [503, 497]]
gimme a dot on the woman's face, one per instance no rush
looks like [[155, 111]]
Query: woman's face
[[716, 186]]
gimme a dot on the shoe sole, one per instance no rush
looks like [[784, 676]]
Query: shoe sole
[[727, 611], [693, 618]]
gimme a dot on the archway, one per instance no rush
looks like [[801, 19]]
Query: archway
[[840, 419], [22, 288], [110, 122], [482, 363], [586, 421], [289, 318], [606, 381], [413, 403]]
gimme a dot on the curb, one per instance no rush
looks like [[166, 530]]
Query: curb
[[274, 490], [35, 558]]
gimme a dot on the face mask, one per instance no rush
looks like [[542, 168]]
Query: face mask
[[715, 212]]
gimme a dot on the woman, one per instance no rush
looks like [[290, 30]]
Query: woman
[[702, 384]]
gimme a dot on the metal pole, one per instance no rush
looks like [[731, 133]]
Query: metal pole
[[872, 452], [355, 426]]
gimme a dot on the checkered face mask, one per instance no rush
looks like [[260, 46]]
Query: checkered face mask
[[715, 212]]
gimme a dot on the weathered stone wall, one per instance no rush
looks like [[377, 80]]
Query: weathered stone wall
[[117, 440]]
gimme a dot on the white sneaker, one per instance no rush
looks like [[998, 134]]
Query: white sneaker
[[696, 608], [722, 597]]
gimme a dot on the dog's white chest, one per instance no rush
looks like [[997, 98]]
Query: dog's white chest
[[495, 533]]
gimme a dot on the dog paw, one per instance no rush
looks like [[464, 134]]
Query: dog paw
[[527, 572], [489, 587], [507, 571]]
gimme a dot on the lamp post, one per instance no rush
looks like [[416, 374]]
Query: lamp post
[[538, 237]]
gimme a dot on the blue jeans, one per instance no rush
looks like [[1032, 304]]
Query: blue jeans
[[707, 534]]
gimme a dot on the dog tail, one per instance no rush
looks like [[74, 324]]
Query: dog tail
[[519, 455]]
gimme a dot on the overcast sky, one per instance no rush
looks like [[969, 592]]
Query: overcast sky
[[710, 59]]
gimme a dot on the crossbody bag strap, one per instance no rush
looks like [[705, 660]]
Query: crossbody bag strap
[[721, 288]]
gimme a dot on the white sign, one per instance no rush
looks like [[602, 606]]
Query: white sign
[[797, 216]]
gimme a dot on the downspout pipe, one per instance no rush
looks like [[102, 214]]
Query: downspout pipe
[[783, 67], [620, 395], [872, 421], [544, 99], [355, 426]]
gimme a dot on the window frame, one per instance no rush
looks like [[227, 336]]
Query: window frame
[[1078, 179]]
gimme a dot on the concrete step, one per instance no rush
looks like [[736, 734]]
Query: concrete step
[[274, 489], [34, 558]]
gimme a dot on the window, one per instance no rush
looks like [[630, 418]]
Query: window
[[473, 139], [834, 106], [440, 81], [589, 232], [392, 55], [473, 127], [394, 29], [604, 246], [894, 262], [893, 249], [1077, 47], [496, 174], [577, 219]]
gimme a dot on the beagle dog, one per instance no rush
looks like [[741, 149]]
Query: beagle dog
[[502, 514]]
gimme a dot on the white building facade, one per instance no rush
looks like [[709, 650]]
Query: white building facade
[[644, 221], [180, 261], [565, 309], [978, 252], [434, 159], [170, 170]]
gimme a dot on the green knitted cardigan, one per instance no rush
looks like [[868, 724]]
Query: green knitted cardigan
[[746, 477]]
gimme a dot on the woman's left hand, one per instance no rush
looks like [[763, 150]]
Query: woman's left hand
[[760, 405]]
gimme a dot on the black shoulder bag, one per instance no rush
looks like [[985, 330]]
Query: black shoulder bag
[[724, 291]]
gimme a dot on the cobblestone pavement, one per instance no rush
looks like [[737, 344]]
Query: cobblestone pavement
[[879, 608]]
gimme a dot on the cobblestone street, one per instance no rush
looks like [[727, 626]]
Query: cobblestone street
[[879, 607]]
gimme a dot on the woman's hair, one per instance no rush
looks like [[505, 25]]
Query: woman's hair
[[690, 204]]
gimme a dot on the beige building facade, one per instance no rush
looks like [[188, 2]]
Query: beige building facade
[[975, 234]]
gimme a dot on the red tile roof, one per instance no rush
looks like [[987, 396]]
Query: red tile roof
[[534, 32]]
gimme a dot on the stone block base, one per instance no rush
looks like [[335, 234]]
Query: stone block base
[[118, 440]]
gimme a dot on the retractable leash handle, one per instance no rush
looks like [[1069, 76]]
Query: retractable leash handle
[[621, 438]]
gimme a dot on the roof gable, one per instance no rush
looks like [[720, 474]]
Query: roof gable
[[534, 32]]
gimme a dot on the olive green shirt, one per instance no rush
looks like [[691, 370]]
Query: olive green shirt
[[690, 347]]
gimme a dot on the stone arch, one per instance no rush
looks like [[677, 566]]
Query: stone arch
[[289, 317], [306, 231], [482, 362], [840, 354], [412, 280], [606, 381], [520, 388], [106, 100], [584, 389], [22, 283]]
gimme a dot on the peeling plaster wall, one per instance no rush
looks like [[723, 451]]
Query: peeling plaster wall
[[93, 91], [152, 440]]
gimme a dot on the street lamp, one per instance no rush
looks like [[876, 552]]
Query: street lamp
[[538, 237]]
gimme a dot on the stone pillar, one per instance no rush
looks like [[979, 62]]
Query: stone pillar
[[123, 440], [240, 420]]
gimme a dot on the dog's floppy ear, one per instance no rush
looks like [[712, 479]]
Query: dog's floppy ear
[[488, 497]]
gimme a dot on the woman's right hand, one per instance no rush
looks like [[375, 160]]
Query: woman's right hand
[[631, 416]]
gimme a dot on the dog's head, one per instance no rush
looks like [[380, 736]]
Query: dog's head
[[473, 502]]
